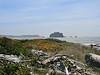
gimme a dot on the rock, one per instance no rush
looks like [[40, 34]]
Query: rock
[[56, 34]]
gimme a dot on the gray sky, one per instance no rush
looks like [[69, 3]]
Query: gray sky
[[71, 17]]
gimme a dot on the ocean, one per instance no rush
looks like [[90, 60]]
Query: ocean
[[87, 41], [82, 40]]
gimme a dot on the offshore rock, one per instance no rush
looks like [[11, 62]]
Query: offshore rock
[[56, 34]]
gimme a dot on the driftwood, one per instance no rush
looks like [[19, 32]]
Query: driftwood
[[10, 58], [54, 58], [93, 59], [58, 67], [60, 64]]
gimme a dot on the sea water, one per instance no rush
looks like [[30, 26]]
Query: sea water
[[84, 40]]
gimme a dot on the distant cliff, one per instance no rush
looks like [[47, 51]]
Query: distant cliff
[[56, 34]]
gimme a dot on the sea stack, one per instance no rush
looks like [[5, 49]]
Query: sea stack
[[56, 34]]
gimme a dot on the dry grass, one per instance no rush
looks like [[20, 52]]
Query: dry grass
[[56, 46]]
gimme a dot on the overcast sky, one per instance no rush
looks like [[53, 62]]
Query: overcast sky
[[71, 17]]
